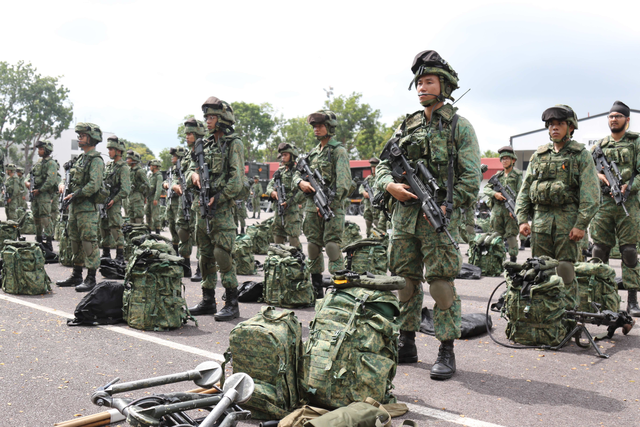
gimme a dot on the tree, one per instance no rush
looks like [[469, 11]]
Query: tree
[[182, 138], [145, 153], [371, 144], [295, 131], [165, 156], [255, 126], [490, 154]]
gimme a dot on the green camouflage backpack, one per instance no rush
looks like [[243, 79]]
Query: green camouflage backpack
[[261, 236], [286, 278], [58, 230], [351, 233], [66, 253], [352, 351], [368, 255], [26, 223], [8, 231], [535, 303], [267, 347], [131, 231], [243, 255], [23, 269], [487, 252], [152, 299], [597, 283]]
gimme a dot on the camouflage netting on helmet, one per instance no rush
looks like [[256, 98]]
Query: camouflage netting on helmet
[[90, 129], [47, 145], [430, 62], [114, 142], [195, 126], [178, 152], [223, 110], [324, 117], [507, 151]]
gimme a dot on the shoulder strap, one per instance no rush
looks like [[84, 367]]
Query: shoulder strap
[[450, 175]]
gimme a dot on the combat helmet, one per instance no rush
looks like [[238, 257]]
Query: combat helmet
[[326, 117], [48, 146], [10, 167], [19, 169], [285, 147], [256, 177], [561, 112], [114, 142], [430, 62], [178, 152], [135, 157], [195, 126], [507, 151], [374, 161], [155, 162], [223, 110], [90, 129]]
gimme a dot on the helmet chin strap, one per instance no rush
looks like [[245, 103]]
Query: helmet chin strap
[[430, 102]]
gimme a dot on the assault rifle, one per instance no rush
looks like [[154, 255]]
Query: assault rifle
[[322, 196], [185, 197], [206, 211], [402, 171], [64, 204], [507, 192], [32, 185], [113, 190], [612, 173], [169, 179], [7, 195], [369, 190], [282, 197]]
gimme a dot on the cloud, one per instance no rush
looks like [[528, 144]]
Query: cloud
[[84, 31]]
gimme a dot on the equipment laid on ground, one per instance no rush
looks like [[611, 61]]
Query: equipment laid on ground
[[261, 236], [23, 270], [487, 252], [102, 305], [287, 281], [243, 255], [367, 255]]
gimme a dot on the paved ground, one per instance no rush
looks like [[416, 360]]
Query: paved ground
[[49, 370]]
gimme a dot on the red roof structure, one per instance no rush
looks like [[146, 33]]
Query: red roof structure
[[494, 165]]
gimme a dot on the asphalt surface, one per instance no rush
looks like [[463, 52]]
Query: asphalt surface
[[48, 370]]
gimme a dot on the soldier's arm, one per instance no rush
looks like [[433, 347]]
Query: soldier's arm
[[383, 175], [236, 171], [158, 185], [125, 184], [343, 173], [467, 186], [50, 184], [636, 182], [96, 176], [589, 191], [271, 187], [489, 191], [523, 201]]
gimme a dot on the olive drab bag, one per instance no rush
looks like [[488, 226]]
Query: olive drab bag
[[23, 269], [261, 236], [352, 350], [367, 255], [286, 278], [102, 305], [8, 231], [131, 231], [26, 223], [597, 283], [65, 255], [351, 233], [267, 347], [152, 299], [243, 255], [487, 252]]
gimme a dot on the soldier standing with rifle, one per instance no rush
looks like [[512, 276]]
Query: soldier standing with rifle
[[503, 221], [139, 188], [611, 222], [22, 202], [12, 193], [218, 173], [446, 144], [366, 189], [286, 222], [86, 176], [118, 180], [45, 180], [330, 162], [152, 209], [256, 193]]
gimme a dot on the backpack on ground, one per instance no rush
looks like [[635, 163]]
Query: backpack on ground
[[152, 298], [352, 351], [23, 270], [101, 306], [351, 233], [267, 347], [597, 283], [112, 268], [487, 252], [250, 291], [8, 231], [367, 255], [261, 236], [286, 278], [243, 255], [26, 223], [131, 231]]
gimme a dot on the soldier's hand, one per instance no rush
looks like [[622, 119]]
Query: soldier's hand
[[61, 189], [525, 230], [195, 178], [27, 184], [24, 197], [365, 194], [623, 188], [155, 203], [274, 195], [211, 200], [177, 189], [68, 197], [110, 204], [399, 192], [603, 178], [36, 192], [500, 197], [284, 204], [576, 234], [165, 185], [9, 201], [306, 187]]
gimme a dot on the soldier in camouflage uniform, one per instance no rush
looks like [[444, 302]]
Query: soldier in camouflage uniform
[[331, 160], [224, 155], [240, 214], [118, 179], [139, 188], [426, 135], [46, 184], [152, 209], [55, 203], [501, 220], [22, 202], [611, 221], [86, 176], [287, 226], [370, 214], [561, 192], [173, 198], [12, 188], [256, 192]]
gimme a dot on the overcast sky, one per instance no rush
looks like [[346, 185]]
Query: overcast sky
[[136, 68]]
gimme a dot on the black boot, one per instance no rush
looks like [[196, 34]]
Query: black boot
[[513, 258], [48, 242], [157, 231], [445, 365], [120, 255], [230, 310], [241, 230], [186, 267], [316, 281], [106, 253], [73, 280], [632, 304], [197, 277], [522, 245], [89, 281], [207, 305], [407, 350], [175, 248], [39, 239]]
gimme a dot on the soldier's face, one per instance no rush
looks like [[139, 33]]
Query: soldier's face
[[191, 137], [212, 121], [558, 129], [130, 162], [10, 173], [373, 170], [112, 153], [428, 87], [617, 122], [41, 151], [174, 159], [319, 129], [286, 157], [506, 162]]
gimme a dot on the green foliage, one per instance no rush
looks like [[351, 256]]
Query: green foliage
[[255, 125], [295, 131], [165, 156], [145, 153], [490, 154]]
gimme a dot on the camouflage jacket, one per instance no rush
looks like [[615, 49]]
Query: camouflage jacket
[[256, 190], [13, 187], [85, 180], [292, 193], [431, 142], [332, 162], [118, 175], [155, 186], [45, 175], [139, 181], [185, 165], [513, 180], [626, 154], [565, 181]]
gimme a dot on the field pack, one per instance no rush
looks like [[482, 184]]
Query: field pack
[[130, 232], [367, 255], [8, 231], [261, 236], [102, 305], [597, 283], [268, 347], [243, 255], [286, 278], [351, 233], [352, 351], [26, 222], [23, 270], [487, 252]]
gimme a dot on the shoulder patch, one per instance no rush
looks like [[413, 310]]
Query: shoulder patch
[[632, 135], [543, 148], [447, 112], [413, 120]]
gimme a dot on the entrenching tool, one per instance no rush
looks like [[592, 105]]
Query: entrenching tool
[[237, 389]]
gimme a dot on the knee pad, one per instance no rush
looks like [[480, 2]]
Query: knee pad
[[279, 239], [566, 271], [87, 247], [333, 251], [115, 234], [223, 258], [601, 251], [74, 247], [409, 289], [295, 242], [183, 235], [442, 293], [629, 255], [314, 250]]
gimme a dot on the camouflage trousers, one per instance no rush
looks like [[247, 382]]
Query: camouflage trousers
[[83, 233], [255, 202], [172, 219], [550, 233], [152, 212], [136, 207], [111, 228], [504, 225], [610, 223], [216, 248], [186, 229], [41, 208], [321, 232], [55, 215], [408, 255], [383, 222], [11, 210]]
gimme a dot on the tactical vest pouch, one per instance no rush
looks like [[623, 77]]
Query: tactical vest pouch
[[487, 252], [23, 270], [352, 351], [267, 347], [286, 278], [243, 255], [596, 283]]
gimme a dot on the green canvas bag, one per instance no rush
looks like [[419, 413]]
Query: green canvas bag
[[65, 255], [352, 350], [243, 255], [131, 231], [597, 283], [23, 270], [367, 255], [487, 252], [351, 233], [26, 222], [261, 236], [8, 231], [286, 278], [268, 347]]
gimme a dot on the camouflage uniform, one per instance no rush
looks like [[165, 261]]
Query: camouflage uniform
[[291, 219], [256, 192], [185, 229], [240, 214], [152, 210], [55, 204], [118, 177], [45, 180], [22, 202], [139, 189], [13, 189], [370, 214]]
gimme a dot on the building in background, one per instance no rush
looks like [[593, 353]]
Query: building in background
[[66, 147]]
